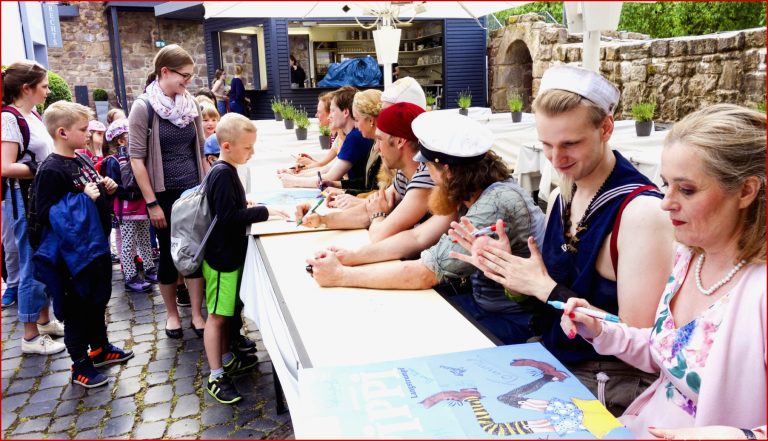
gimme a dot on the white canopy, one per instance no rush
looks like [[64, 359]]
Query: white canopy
[[361, 10]]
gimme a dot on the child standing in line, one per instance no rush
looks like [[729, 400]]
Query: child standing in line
[[77, 230], [130, 212], [115, 114], [225, 254], [94, 143], [211, 118]]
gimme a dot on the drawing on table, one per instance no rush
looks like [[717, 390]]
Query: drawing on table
[[455, 371], [563, 417], [517, 391], [285, 196]]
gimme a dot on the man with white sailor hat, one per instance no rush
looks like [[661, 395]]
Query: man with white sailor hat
[[472, 183], [604, 209]]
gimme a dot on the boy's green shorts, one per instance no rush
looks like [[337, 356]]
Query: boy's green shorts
[[221, 290]]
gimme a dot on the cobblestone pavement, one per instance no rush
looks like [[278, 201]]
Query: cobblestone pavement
[[157, 394]]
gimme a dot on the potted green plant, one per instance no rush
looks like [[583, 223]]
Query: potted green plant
[[464, 101], [101, 98], [515, 103], [643, 114], [277, 108], [325, 137], [431, 100], [302, 122], [288, 112]]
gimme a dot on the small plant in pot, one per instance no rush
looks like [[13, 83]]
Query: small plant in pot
[[277, 108], [643, 114], [289, 113], [325, 137], [431, 100], [464, 101], [101, 98], [302, 122], [515, 103]]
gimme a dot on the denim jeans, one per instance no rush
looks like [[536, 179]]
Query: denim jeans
[[32, 295], [510, 328], [221, 107], [9, 246]]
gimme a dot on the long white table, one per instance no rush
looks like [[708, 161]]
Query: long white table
[[303, 325]]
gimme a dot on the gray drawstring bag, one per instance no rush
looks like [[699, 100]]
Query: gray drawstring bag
[[191, 225]]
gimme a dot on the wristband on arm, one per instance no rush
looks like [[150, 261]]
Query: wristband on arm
[[561, 293]]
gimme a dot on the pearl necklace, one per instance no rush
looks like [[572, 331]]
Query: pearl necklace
[[721, 282]]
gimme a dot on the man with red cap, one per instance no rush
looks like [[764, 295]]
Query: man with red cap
[[401, 205]]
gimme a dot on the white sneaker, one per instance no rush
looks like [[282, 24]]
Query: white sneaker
[[53, 327], [44, 345]]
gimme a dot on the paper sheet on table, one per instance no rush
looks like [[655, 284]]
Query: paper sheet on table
[[285, 199]]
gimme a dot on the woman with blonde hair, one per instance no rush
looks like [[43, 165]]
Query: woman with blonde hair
[[709, 339], [168, 163], [237, 98]]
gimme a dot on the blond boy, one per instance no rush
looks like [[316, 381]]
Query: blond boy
[[225, 253], [79, 277]]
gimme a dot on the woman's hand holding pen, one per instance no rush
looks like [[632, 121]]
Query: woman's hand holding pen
[[573, 322]]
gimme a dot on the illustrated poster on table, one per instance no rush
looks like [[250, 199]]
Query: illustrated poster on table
[[517, 391]]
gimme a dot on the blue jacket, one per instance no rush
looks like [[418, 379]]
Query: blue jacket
[[74, 242]]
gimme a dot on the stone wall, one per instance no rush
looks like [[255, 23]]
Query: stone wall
[[86, 60], [236, 49], [138, 31], [681, 74]]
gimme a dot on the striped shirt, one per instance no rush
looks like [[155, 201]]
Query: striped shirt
[[420, 179]]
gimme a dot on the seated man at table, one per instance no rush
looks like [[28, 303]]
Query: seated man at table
[[585, 253], [353, 155], [401, 205], [472, 182]]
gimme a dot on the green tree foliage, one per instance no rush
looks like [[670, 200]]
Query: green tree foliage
[[669, 19], [59, 89], [675, 19], [554, 8]]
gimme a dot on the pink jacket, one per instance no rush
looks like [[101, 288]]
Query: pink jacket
[[733, 387]]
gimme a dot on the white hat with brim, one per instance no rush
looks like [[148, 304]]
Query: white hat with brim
[[446, 137], [586, 83], [405, 90]]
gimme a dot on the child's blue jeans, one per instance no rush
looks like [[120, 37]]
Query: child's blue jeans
[[32, 296]]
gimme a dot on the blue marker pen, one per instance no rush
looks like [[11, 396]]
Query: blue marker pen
[[586, 311]]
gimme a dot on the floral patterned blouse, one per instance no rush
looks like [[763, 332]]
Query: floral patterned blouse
[[682, 352]]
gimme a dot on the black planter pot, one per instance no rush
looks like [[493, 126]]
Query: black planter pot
[[325, 142], [643, 128], [278, 116], [464, 112], [517, 116], [301, 134], [288, 124]]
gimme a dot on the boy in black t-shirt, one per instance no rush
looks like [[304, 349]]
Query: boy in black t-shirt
[[85, 291], [225, 253]]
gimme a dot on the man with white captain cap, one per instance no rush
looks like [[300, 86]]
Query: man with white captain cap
[[471, 182], [607, 239]]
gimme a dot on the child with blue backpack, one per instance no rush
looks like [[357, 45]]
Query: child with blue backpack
[[130, 212]]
